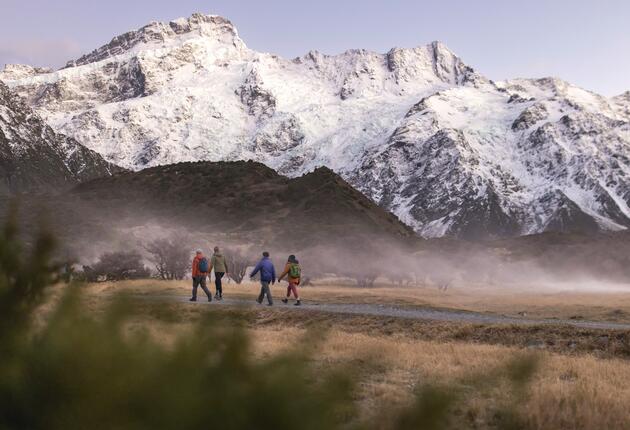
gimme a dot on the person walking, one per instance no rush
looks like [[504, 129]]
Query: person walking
[[218, 263], [200, 269], [293, 272], [267, 276]]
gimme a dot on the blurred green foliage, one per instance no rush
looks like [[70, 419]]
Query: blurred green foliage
[[77, 371]]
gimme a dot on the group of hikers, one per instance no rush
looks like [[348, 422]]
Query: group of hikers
[[202, 268]]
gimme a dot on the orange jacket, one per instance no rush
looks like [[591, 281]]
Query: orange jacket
[[195, 266], [285, 272]]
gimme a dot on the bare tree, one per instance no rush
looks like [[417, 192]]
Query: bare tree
[[365, 280], [171, 257], [237, 263]]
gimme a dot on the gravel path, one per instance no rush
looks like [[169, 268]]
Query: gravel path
[[419, 313]]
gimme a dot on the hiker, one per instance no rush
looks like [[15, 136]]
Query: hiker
[[293, 272], [200, 269], [218, 263], [267, 275]]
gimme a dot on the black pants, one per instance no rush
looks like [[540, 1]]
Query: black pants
[[217, 282], [200, 281]]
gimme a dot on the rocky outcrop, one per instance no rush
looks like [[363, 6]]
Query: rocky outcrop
[[260, 102], [33, 158]]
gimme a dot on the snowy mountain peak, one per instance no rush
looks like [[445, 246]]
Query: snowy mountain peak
[[158, 34], [19, 71], [415, 129]]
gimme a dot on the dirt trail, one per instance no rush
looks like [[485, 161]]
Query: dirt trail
[[419, 313]]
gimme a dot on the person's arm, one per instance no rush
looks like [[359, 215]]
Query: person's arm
[[194, 267], [225, 263], [273, 274], [256, 269], [284, 273]]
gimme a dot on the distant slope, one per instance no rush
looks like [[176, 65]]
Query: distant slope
[[34, 158], [239, 202]]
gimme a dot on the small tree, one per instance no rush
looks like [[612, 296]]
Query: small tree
[[170, 256], [237, 263], [365, 280], [117, 266]]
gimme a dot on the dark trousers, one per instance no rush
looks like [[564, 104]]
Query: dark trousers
[[265, 290], [217, 282], [200, 281]]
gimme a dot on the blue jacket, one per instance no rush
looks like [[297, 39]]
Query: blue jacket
[[266, 269]]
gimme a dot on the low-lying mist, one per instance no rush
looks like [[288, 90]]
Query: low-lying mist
[[87, 230], [371, 260]]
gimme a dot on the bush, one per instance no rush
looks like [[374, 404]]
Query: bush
[[117, 266], [170, 256]]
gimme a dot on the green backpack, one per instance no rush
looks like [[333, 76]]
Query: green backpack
[[294, 270]]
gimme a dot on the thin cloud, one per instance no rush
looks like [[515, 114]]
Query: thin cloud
[[42, 53]]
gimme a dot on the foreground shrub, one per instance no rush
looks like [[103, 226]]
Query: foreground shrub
[[77, 371]]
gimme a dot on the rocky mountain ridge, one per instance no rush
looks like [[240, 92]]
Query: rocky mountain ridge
[[34, 158], [418, 131]]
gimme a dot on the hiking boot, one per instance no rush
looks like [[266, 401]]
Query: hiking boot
[[285, 301], [209, 298], [269, 304], [297, 303], [216, 296], [194, 299], [259, 301]]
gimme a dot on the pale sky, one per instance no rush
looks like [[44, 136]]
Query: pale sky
[[584, 42]]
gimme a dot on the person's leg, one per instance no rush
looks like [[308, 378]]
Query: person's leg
[[195, 283], [217, 283], [205, 289], [293, 288], [261, 296], [268, 292], [286, 299]]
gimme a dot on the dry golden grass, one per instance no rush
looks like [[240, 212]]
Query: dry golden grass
[[597, 306], [574, 390], [567, 392]]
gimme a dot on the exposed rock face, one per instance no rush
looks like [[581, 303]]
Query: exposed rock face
[[33, 158], [530, 116], [259, 101], [417, 130]]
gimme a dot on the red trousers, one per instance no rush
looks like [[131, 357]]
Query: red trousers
[[292, 288]]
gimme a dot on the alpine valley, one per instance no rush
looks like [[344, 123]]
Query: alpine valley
[[418, 131]]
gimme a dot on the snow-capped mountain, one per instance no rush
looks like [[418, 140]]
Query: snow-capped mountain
[[416, 130], [34, 158]]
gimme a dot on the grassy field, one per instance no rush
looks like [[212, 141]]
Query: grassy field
[[577, 305], [583, 387]]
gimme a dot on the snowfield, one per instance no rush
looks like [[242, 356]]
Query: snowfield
[[417, 130]]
